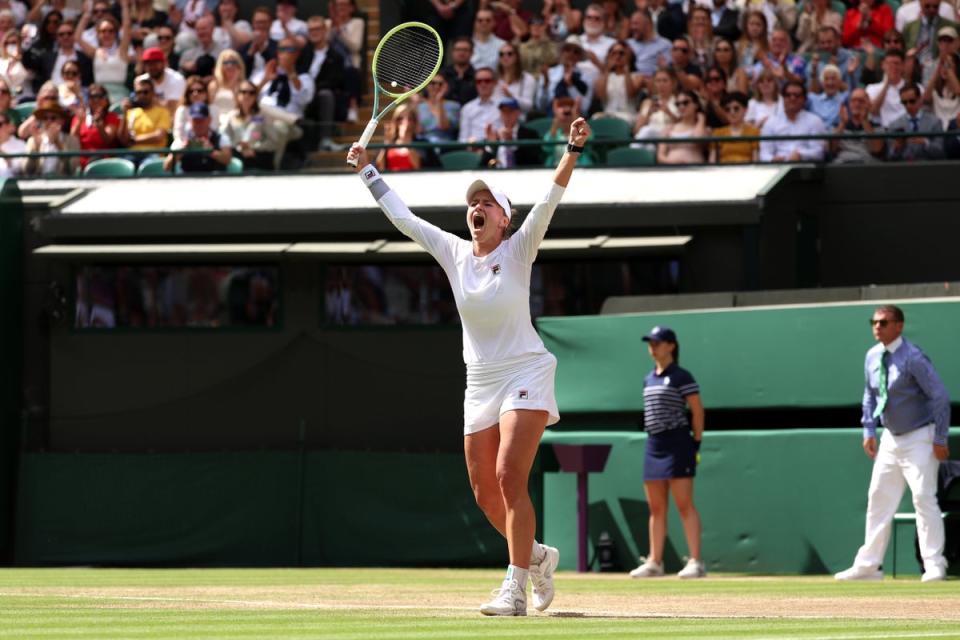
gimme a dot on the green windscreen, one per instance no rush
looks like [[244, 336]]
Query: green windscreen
[[797, 356]]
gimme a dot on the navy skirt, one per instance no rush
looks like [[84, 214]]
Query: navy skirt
[[670, 454]]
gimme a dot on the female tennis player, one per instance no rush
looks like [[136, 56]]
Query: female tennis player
[[509, 399]]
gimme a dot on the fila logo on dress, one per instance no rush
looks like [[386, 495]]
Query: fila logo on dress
[[369, 174], [523, 394], [496, 269]]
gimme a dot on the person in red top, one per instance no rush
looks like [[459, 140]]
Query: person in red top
[[96, 126], [870, 20], [402, 129]]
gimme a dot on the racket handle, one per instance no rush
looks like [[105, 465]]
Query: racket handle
[[365, 138]]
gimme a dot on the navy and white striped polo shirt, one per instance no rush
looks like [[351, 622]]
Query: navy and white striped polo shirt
[[664, 407]]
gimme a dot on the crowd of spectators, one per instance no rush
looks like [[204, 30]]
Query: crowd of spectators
[[690, 69], [194, 76]]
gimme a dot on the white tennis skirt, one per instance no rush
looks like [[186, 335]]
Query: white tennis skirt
[[493, 388]]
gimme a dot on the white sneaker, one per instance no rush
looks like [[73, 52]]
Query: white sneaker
[[648, 569], [934, 574], [541, 577], [510, 600], [860, 573], [694, 569]]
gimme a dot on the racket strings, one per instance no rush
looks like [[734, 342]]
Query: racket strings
[[407, 59]]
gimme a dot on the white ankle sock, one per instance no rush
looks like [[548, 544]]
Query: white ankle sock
[[518, 574], [536, 556]]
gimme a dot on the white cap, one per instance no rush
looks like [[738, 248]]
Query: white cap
[[499, 196]]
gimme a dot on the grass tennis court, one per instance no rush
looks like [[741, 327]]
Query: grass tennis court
[[341, 604]]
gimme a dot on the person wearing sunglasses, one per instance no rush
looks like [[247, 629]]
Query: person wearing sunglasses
[[148, 124], [692, 123], [740, 152], [111, 53], [47, 63], [903, 394], [12, 67], [618, 85], [439, 118], [253, 134], [689, 74], [482, 111], [486, 45], [168, 84], [916, 120], [11, 144], [95, 126], [515, 83], [794, 120]]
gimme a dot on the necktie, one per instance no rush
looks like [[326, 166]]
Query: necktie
[[281, 86], [913, 124], [882, 385]]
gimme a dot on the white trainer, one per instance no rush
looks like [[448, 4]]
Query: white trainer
[[934, 574], [541, 577], [647, 569], [859, 573], [510, 600], [694, 569]]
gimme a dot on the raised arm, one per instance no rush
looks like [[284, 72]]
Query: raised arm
[[126, 31], [579, 132]]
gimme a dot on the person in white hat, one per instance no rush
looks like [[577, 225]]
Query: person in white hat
[[509, 399]]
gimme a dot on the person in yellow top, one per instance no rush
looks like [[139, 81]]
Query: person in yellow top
[[148, 122], [735, 104]]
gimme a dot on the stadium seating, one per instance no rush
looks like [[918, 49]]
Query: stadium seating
[[540, 125], [235, 166], [460, 160], [151, 167], [110, 167], [629, 157], [24, 109]]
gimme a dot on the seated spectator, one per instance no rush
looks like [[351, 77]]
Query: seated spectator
[[700, 36], [713, 97], [110, 56], [282, 86], [347, 33], [753, 45], [856, 119], [460, 74], [511, 22], [70, 90], [618, 86], [725, 18], [48, 94], [48, 137], [868, 20], [916, 119], [572, 77], [195, 91], [691, 124], [885, 101], [402, 128], [202, 136], [47, 63], [287, 25], [689, 74], [11, 66], [650, 49], [766, 100], [562, 18], [168, 85], [508, 128], [910, 11], [482, 110], [921, 34], [829, 51], [793, 120], [615, 22], [539, 50], [514, 81], [826, 104], [39, 33], [486, 45], [261, 49], [594, 42], [6, 103], [148, 124], [784, 66], [144, 18], [96, 127], [565, 110], [228, 74], [871, 71], [439, 118], [951, 143], [816, 14], [164, 35], [325, 66], [201, 58], [660, 109], [943, 90], [10, 144], [735, 105], [231, 33], [254, 136], [725, 59]]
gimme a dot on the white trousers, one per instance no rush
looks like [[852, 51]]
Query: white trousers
[[905, 460]]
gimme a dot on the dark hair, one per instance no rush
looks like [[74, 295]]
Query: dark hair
[[892, 309], [910, 87], [793, 83], [896, 53], [736, 96]]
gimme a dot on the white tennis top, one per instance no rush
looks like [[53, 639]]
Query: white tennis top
[[492, 292]]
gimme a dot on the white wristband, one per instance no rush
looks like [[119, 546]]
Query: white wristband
[[369, 175]]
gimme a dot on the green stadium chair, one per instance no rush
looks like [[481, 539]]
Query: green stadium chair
[[117, 108], [460, 160], [152, 167], [629, 157], [235, 166], [25, 110], [540, 125], [611, 129], [110, 167]]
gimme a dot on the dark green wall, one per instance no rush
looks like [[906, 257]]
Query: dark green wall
[[803, 356], [11, 355]]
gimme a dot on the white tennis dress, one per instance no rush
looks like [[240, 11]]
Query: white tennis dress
[[508, 367]]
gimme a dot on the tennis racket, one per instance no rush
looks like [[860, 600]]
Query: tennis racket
[[405, 61]]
